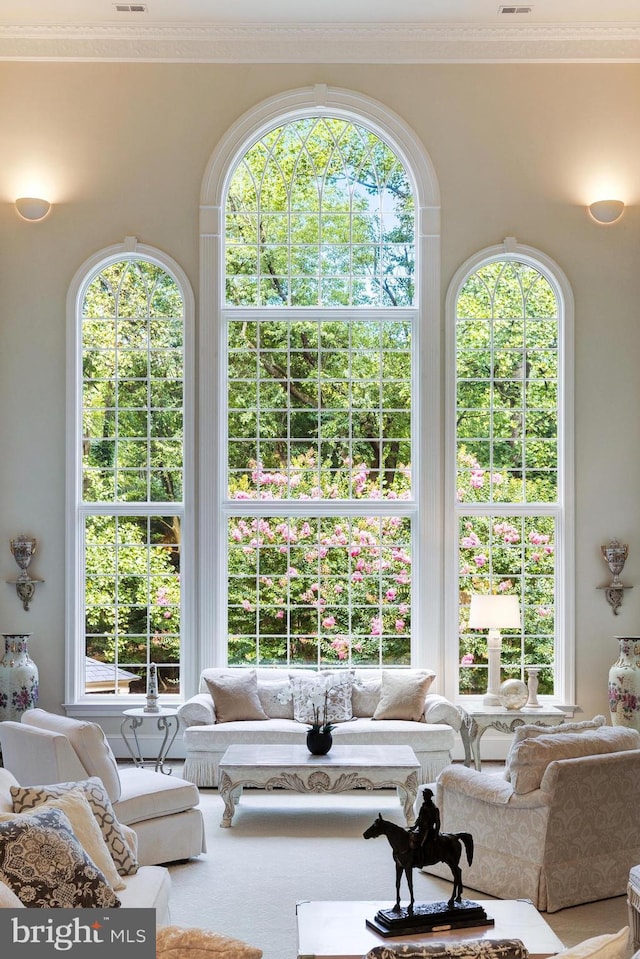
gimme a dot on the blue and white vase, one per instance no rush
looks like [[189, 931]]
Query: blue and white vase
[[18, 677], [624, 684]]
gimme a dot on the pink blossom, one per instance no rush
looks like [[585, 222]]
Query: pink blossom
[[402, 579], [167, 614], [376, 626], [280, 614], [338, 588], [329, 622], [536, 557], [246, 605], [357, 577], [477, 479], [292, 572], [470, 541], [391, 594], [480, 560], [466, 660], [403, 609], [465, 569], [399, 625]]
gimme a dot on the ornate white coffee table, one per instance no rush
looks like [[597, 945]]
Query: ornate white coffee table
[[343, 768], [338, 929]]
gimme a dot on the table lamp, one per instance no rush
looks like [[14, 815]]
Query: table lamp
[[494, 613]]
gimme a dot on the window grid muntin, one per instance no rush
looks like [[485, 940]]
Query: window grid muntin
[[385, 323], [315, 288], [381, 606], [160, 321], [491, 507]]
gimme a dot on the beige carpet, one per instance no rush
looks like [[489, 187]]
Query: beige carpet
[[284, 847]]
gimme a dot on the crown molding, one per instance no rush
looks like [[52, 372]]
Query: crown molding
[[314, 43]]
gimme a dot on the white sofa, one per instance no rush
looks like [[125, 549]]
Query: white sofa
[[163, 810], [563, 829], [148, 888], [206, 740]]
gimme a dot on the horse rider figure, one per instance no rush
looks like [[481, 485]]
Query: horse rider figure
[[426, 827]]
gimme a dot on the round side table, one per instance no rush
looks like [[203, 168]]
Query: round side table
[[168, 724]]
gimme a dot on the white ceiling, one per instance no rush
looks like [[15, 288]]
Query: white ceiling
[[357, 31], [77, 12]]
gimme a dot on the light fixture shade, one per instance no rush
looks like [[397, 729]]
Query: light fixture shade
[[32, 207], [606, 211], [494, 612]]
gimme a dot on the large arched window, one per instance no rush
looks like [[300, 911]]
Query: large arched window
[[129, 477], [510, 339], [319, 331]]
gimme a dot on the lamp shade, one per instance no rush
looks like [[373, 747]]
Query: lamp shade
[[494, 612]]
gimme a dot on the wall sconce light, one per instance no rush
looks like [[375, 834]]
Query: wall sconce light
[[616, 556], [606, 211], [32, 207]]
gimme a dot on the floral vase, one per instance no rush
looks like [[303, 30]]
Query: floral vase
[[18, 677], [624, 684], [319, 741]]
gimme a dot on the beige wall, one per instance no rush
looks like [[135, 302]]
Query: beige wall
[[518, 151]]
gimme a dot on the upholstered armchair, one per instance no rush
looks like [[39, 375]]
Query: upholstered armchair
[[163, 810], [563, 829]]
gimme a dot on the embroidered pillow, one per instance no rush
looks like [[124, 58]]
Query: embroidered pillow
[[276, 699], [309, 697], [45, 865], [403, 694], [235, 696], [365, 697], [172, 942], [26, 798]]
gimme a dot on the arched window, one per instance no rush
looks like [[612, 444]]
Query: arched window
[[510, 488], [129, 472], [319, 334]]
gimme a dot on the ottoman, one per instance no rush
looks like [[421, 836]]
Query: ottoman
[[633, 901]]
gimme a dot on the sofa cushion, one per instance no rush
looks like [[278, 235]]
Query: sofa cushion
[[235, 696], [532, 756], [172, 942], [529, 731], [118, 842], [44, 863], [149, 795], [88, 741], [8, 898], [612, 946], [403, 693], [309, 697]]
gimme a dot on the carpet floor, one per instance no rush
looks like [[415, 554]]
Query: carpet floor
[[284, 848]]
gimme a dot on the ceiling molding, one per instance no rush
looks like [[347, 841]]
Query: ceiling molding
[[337, 43]]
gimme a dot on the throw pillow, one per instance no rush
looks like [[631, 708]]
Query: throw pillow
[[276, 699], [403, 694], [365, 697], [470, 949], [529, 731], [235, 696], [114, 834], [175, 943], [309, 697], [85, 827], [45, 865], [612, 946], [8, 898]]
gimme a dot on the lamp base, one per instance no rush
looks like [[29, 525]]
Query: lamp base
[[491, 699]]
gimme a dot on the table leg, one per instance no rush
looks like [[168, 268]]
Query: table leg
[[407, 793], [130, 724], [164, 725], [230, 795]]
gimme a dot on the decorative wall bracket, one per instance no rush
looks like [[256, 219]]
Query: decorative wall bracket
[[616, 556], [23, 549]]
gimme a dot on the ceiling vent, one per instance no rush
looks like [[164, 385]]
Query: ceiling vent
[[517, 9], [130, 7]]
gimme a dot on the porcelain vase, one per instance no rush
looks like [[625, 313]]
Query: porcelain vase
[[319, 741], [624, 684], [18, 677]]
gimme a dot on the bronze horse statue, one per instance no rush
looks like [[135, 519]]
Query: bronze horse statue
[[440, 847]]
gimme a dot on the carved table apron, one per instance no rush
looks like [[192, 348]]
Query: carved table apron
[[343, 768]]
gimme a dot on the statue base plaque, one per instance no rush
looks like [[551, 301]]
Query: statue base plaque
[[429, 917]]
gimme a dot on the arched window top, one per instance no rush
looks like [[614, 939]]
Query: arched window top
[[132, 288], [320, 212]]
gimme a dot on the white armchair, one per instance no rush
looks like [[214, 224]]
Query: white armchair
[[163, 810]]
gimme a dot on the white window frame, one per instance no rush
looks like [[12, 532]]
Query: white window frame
[[77, 701], [427, 642], [511, 250]]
